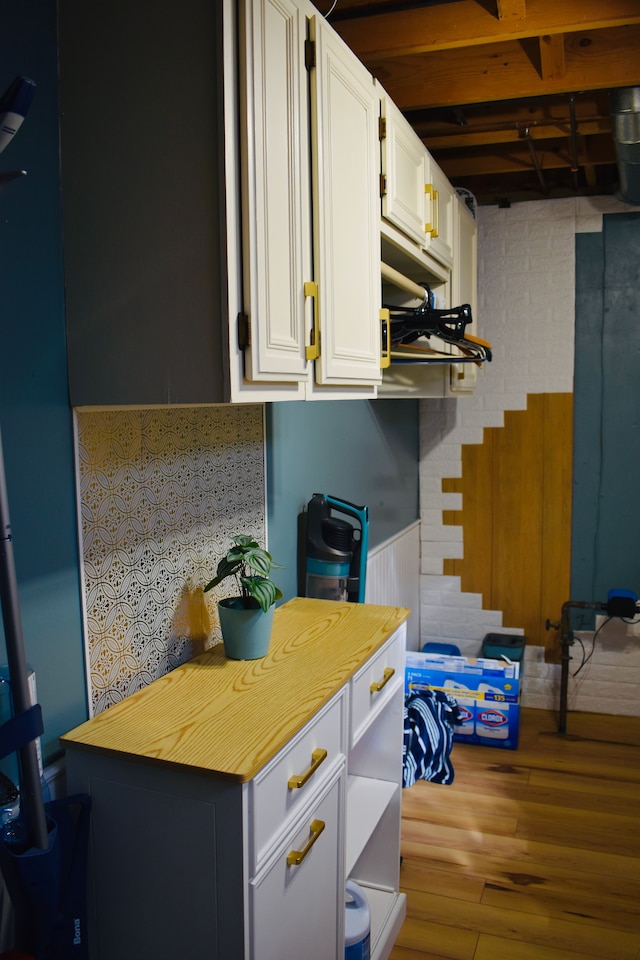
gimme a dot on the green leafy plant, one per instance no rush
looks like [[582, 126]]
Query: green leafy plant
[[251, 565]]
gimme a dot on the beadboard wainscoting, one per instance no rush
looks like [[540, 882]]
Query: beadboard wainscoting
[[393, 577], [160, 494]]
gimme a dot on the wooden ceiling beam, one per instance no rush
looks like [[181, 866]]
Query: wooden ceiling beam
[[466, 139], [599, 60], [467, 23], [518, 159]]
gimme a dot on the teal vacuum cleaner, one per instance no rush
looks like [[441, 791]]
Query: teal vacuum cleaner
[[336, 549]]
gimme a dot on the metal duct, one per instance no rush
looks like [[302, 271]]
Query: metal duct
[[625, 129]]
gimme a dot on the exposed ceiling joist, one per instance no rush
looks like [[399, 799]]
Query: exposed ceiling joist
[[516, 157], [467, 23], [512, 97], [502, 136], [480, 74]]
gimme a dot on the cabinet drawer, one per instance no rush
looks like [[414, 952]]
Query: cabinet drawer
[[277, 792], [372, 686], [298, 908]]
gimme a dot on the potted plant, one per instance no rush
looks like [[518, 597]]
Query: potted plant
[[246, 619]]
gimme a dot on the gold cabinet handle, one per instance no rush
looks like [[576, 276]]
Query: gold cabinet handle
[[433, 227], [385, 355], [313, 351], [428, 189], [296, 857], [379, 684], [299, 779]]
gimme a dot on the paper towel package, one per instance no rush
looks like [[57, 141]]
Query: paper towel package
[[487, 693]]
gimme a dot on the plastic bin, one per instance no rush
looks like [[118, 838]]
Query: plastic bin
[[449, 649], [495, 646]]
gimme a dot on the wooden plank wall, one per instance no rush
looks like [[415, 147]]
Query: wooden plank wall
[[516, 516]]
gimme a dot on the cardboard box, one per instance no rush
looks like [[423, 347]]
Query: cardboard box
[[487, 692]]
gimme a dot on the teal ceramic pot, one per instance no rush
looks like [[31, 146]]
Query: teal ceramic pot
[[246, 633]]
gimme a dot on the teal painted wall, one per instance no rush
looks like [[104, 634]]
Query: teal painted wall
[[362, 451], [606, 520], [35, 418]]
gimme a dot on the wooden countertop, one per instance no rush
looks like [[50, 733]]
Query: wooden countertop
[[231, 717]]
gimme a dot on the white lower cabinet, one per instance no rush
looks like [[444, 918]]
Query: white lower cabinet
[[187, 862], [374, 790], [292, 900]]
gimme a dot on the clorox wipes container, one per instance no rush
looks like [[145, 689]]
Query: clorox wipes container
[[357, 927]]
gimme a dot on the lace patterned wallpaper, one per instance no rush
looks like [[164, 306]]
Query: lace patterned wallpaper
[[161, 493]]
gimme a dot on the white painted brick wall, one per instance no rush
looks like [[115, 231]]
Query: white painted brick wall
[[526, 303]]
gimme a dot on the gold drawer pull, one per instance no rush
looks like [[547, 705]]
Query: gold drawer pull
[[379, 684], [299, 779], [296, 857]]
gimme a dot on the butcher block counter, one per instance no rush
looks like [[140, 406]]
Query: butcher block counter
[[207, 712]]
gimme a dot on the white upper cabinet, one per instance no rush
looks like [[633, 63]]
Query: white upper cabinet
[[429, 237], [311, 247], [417, 198], [225, 243], [346, 213], [403, 178], [275, 188]]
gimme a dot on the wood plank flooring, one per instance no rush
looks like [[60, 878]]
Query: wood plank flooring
[[530, 854]]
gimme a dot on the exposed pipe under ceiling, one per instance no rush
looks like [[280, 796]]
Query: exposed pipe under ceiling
[[625, 129]]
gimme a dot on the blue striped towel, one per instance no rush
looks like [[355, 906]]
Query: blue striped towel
[[429, 717]]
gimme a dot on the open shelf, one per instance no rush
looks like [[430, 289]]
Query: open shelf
[[388, 909], [367, 801]]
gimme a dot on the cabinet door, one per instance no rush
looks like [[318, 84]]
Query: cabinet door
[[417, 198], [275, 188], [346, 213], [298, 908], [464, 281], [403, 170]]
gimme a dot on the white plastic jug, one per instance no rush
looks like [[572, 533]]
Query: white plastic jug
[[466, 705], [492, 716], [357, 928]]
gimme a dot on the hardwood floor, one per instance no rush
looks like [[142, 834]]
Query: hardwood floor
[[530, 854]]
